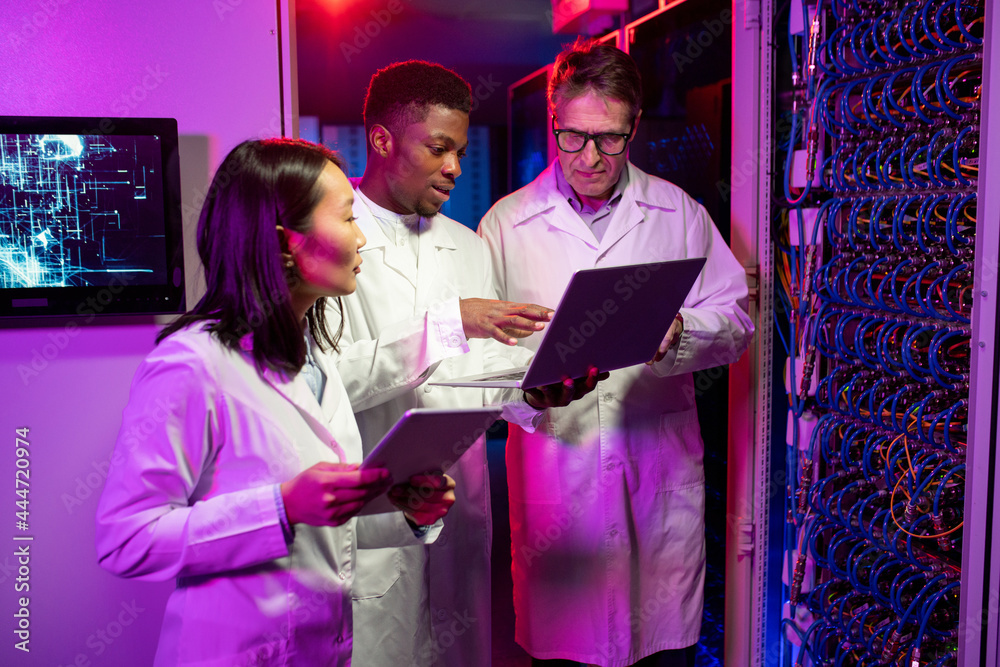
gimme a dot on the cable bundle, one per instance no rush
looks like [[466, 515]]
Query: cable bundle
[[889, 348], [876, 295], [946, 158], [885, 527]]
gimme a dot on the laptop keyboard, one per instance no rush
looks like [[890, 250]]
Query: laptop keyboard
[[516, 375]]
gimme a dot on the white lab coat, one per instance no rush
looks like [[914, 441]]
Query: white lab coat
[[607, 497], [190, 494], [420, 606]]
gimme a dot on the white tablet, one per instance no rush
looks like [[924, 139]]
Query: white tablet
[[423, 440]]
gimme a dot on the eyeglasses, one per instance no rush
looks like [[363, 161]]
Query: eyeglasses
[[608, 143]]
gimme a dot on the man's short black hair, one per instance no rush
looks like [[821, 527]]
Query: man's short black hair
[[400, 94]]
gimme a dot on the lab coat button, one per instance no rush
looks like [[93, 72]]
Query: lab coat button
[[427, 390], [454, 342], [342, 576], [609, 397], [613, 532], [442, 614]]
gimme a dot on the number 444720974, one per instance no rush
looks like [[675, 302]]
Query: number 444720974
[[22, 476]]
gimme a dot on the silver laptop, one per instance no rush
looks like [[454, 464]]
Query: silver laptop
[[609, 318]]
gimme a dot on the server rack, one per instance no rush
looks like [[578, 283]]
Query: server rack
[[884, 243], [887, 188]]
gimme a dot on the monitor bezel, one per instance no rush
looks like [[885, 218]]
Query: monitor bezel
[[88, 303]]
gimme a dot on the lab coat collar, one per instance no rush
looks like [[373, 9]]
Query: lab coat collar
[[296, 391], [377, 242], [641, 187], [638, 197], [438, 234], [434, 236], [542, 196]]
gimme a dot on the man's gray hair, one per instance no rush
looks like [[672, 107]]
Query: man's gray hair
[[590, 65]]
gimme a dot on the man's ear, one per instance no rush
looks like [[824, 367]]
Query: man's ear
[[635, 124], [380, 140]]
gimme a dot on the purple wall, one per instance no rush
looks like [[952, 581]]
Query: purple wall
[[214, 67]]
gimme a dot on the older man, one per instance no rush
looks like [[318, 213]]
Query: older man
[[607, 495], [425, 309]]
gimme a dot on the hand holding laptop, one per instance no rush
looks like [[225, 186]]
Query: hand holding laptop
[[563, 393], [672, 338]]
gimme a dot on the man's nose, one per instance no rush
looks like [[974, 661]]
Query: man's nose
[[452, 166], [590, 153]]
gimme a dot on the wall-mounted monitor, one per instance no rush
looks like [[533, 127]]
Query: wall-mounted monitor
[[90, 217], [531, 146]]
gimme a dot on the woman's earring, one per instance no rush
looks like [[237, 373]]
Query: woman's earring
[[288, 260]]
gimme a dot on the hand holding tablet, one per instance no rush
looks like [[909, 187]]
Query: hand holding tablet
[[425, 440]]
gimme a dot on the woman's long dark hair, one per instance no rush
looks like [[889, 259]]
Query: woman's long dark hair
[[260, 185]]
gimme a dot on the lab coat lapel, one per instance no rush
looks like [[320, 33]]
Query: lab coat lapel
[[396, 259], [630, 210], [569, 221], [627, 215], [546, 198], [434, 239], [400, 260], [297, 392], [332, 397]]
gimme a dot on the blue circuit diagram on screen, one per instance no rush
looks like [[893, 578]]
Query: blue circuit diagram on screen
[[80, 210]]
